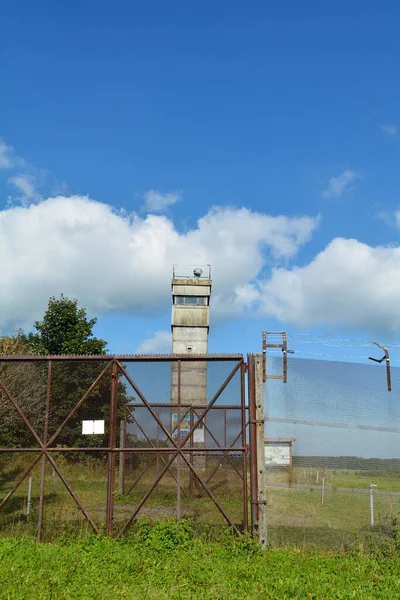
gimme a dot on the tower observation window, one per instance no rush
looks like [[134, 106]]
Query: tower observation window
[[191, 300]]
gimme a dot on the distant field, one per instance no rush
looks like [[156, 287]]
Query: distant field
[[166, 561], [300, 511]]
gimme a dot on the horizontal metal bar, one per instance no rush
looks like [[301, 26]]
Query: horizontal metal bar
[[163, 450], [127, 357], [274, 376], [20, 449], [194, 406]]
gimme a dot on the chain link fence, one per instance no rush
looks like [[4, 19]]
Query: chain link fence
[[332, 453]]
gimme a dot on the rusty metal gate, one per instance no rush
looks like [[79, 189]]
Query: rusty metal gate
[[98, 442]]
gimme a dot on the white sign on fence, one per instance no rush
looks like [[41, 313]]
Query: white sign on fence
[[92, 427]]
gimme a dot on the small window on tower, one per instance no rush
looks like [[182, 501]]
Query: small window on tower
[[191, 300]]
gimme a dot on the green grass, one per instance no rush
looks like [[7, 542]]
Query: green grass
[[166, 561]]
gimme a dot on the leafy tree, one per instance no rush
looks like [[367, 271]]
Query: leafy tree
[[65, 329], [15, 344], [26, 382]]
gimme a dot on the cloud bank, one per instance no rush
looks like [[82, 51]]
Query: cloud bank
[[116, 263], [113, 262]]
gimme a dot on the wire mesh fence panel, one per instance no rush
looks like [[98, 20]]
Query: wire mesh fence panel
[[192, 405], [94, 444], [79, 392], [19, 498], [332, 453]]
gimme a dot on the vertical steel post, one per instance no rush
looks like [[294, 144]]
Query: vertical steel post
[[261, 476], [191, 481], [178, 457], [244, 454], [111, 454], [122, 437], [225, 466], [253, 443], [45, 433]]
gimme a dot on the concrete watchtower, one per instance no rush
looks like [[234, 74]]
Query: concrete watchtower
[[191, 291]]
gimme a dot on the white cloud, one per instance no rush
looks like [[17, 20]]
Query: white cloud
[[7, 158], [349, 285], [156, 202], [390, 130], [160, 343], [340, 184], [114, 262], [26, 185]]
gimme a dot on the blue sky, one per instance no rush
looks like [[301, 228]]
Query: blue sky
[[285, 116]]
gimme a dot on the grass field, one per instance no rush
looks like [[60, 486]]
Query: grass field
[[167, 561]]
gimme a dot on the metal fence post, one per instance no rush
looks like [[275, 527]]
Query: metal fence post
[[371, 502], [28, 507], [111, 454], [122, 430], [261, 475], [253, 443]]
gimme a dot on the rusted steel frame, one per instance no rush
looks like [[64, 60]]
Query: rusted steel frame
[[178, 448], [157, 480], [191, 442], [146, 403], [244, 455], [219, 447], [209, 492], [123, 357], [149, 491], [142, 473], [111, 454], [186, 405], [150, 442], [35, 449], [104, 449], [21, 414], [253, 443], [212, 401], [23, 476], [43, 471], [72, 493], [173, 430], [226, 455], [155, 450], [81, 401], [178, 458]]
